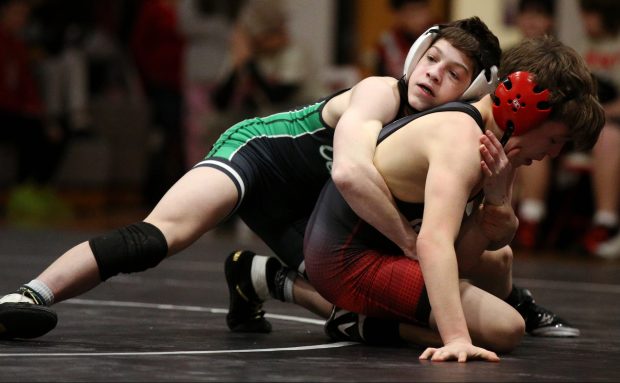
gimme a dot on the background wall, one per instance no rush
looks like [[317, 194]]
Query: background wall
[[493, 13], [313, 24], [373, 16]]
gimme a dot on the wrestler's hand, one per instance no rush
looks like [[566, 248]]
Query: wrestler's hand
[[496, 217], [459, 351], [498, 170]]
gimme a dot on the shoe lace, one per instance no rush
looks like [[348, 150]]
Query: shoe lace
[[258, 312], [28, 293]]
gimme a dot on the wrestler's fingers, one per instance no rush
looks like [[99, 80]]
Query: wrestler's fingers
[[489, 356], [494, 152], [490, 164], [441, 356], [428, 353], [493, 140], [488, 157], [485, 169], [462, 357]]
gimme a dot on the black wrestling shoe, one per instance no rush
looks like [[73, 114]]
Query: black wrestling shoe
[[343, 325], [245, 312], [541, 322], [22, 316]]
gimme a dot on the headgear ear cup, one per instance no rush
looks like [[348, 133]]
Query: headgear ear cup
[[418, 48], [482, 85], [519, 104]]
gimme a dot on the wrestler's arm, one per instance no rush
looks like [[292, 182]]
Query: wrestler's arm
[[496, 216], [452, 174], [493, 223], [373, 103]]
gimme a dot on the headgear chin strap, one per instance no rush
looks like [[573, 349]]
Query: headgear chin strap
[[519, 104], [482, 84]]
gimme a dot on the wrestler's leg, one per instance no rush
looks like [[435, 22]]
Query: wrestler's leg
[[493, 272], [194, 205], [306, 296], [492, 323]]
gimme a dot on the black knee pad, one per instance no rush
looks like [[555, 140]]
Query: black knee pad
[[130, 249]]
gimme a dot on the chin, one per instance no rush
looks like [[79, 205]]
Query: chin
[[420, 105]]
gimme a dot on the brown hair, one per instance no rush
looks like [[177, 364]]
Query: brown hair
[[563, 71], [472, 37]]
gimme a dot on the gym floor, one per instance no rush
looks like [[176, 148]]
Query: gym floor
[[168, 324]]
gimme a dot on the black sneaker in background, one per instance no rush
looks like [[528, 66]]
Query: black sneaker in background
[[542, 322]]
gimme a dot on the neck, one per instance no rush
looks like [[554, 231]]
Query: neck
[[485, 107]]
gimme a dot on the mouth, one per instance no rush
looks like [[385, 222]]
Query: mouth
[[426, 90]]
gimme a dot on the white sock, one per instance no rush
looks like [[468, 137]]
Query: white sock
[[532, 210], [42, 289], [605, 218], [259, 277]]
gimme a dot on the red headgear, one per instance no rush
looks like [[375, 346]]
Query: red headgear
[[519, 104]]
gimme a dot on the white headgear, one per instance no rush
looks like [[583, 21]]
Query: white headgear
[[478, 88]]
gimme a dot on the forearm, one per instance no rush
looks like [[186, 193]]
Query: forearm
[[368, 195], [498, 224], [470, 244], [489, 227], [441, 278]]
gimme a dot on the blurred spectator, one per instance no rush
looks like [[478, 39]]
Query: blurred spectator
[[111, 72], [206, 26], [535, 18], [411, 19], [601, 20], [158, 47], [58, 29], [266, 71], [21, 117]]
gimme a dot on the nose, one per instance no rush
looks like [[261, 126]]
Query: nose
[[434, 73]]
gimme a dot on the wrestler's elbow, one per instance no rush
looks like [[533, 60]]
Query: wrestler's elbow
[[429, 245], [344, 175]]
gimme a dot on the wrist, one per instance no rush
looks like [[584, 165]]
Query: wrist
[[493, 202]]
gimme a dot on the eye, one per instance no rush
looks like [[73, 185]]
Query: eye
[[454, 75], [431, 58]]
